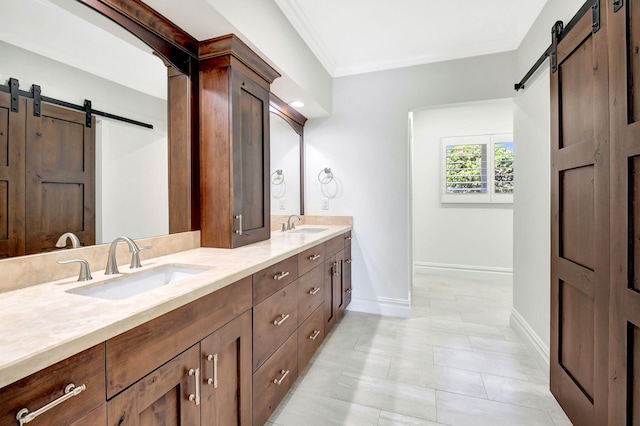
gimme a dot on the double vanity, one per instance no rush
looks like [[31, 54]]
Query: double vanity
[[200, 336]]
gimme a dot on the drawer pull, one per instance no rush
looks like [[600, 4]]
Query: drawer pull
[[195, 398], [314, 291], [348, 238], [315, 334], [239, 230], [24, 416], [284, 374], [213, 381], [348, 290], [283, 318], [348, 260], [335, 268], [281, 275], [314, 257]]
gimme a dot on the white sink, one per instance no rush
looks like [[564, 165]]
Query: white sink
[[307, 230], [133, 284]]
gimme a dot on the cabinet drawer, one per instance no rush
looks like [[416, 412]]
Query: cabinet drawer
[[272, 381], [274, 320], [310, 336], [273, 278], [135, 353], [41, 388], [310, 292], [334, 245], [309, 259]]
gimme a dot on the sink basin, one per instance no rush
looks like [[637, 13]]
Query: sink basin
[[307, 230], [129, 285]]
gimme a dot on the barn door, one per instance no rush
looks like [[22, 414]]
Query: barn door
[[624, 34], [580, 223]]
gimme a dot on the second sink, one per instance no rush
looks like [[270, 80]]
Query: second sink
[[123, 287]]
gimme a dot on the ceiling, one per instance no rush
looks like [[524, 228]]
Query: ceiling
[[357, 36]]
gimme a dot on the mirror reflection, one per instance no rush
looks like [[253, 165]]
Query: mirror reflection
[[73, 53], [285, 167]]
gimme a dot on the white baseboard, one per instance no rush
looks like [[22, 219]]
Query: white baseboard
[[502, 275], [382, 306], [538, 348]]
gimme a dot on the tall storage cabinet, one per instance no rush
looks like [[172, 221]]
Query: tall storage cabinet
[[234, 143]]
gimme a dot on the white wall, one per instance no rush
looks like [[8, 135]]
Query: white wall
[[139, 185], [365, 143], [458, 237], [531, 208]]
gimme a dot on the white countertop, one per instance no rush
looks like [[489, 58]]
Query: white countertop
[[43, 324]]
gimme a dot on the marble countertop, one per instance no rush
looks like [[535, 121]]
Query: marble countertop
[[44, 324]]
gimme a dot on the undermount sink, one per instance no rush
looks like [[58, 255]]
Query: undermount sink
[[129, 285], [307, 230]]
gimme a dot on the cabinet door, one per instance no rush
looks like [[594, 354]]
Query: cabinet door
[[251, 189], [12, 192], [226, 374], [167, 396]]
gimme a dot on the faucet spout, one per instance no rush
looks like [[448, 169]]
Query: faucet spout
[[112, 266], [291, 225], [62, 241]]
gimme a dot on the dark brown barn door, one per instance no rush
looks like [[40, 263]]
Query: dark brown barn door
[[12, 127], [624, 35], [580, 224], [60, 177]]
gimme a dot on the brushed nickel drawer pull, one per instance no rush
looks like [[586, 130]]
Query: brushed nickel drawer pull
[[283, 318], [348, 238], [281, 275], [24, 416], [314, 257], [239, 230], [335, 268], [213, 381], [348, 290], [348, 260], [284, 374], [315, 334], [314, 291], [195, 398]]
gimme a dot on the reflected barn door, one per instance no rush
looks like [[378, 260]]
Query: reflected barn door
[[580, 223], [624, 370], [60, 177]]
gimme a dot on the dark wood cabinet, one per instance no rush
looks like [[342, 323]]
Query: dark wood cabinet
[[169, 395], [234, 143], [82, 371], [337, 279], [226, 374]]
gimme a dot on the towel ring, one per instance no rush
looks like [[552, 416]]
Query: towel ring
[[328, 176], [277, 177]]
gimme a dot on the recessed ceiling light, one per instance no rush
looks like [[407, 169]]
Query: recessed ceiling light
[[296, 104]]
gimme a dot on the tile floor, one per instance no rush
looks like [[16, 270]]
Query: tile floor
[[455, 361]]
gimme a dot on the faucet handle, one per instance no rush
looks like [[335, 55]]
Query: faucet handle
[[135, 257], [85, 272], [284, 226]]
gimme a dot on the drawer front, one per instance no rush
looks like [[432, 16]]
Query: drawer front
[[310, 336], [334, 245], [41, 388], [137, 352], [309, 259], [310, 292], [272, 381], [273, 278], [274, 320]]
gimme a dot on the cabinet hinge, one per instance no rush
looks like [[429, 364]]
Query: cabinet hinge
[[617, 5], [595, 16], [14, 91]]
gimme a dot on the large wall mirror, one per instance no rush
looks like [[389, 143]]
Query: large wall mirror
[[287, 158], [74, 53]]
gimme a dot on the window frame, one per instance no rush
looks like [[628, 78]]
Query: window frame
[[489, 197]]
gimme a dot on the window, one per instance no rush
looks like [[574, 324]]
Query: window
[[477, 169]]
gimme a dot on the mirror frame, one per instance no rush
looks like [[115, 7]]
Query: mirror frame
[[296, 120]]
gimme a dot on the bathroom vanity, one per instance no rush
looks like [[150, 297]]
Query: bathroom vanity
[[217, 348]]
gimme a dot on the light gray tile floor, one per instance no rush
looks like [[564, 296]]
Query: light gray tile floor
[[455, 361]]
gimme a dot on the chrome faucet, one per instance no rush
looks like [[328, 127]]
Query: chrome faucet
[[112, 266], [292, 225], [62, 241]]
